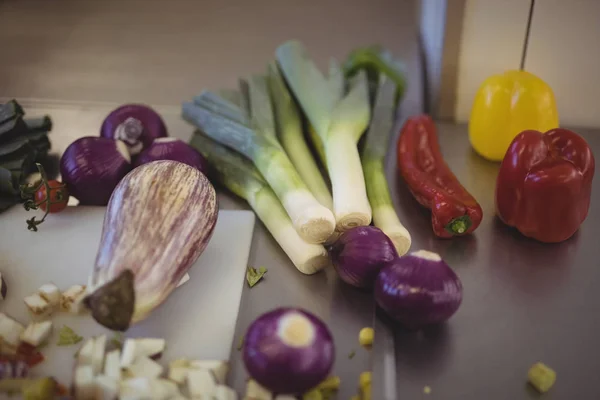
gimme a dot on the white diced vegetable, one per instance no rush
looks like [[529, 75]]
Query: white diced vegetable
[[112, 365], [218, 368], [200, 382], [145, 367], [164, 389], [36, 333], [84, 383], [50, 293], [178, 374], [254, 391], [85, 354], [72, 298], [135, 389], [10, 330], [106, 388], [223, 392], [98, 354], [37, 305], [144, 347]]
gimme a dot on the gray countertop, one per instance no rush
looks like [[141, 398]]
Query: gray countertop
[[524, 301]]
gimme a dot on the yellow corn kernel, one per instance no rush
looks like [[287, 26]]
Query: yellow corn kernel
[[365, 337], [366, 392], [331, 383], [364, 379], [541, 377], [314, 394]]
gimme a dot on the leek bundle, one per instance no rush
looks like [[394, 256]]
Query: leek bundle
[[240, 177], [339, 122], [373, 161], [289, 131], [253, 135]]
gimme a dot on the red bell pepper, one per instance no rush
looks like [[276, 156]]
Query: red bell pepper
[[545, 184], [454, 211]]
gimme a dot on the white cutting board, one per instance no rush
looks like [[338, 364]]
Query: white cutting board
[[197, 320]]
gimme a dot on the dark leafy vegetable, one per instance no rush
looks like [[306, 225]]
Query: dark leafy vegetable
[[254, 275]]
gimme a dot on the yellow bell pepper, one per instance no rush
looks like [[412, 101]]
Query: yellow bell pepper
[[504, 106]]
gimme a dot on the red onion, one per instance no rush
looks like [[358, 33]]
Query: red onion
[[135, 124], [359, 254], [288, 351], [92, 167], [13, 369], [418, 289], [172, 149]]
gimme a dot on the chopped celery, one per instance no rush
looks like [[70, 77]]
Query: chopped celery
[[289, 130], [254, 137], [242, 178], [373, 161], [339, 123]]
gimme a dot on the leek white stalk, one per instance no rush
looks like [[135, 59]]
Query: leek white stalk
[[226, 123], [289, 131], [373, 157], [240, 177], [339, 124]]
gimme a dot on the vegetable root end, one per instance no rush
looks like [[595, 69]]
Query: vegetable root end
[[113, 303]]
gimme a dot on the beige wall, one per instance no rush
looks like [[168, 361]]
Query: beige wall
[[564, 50]]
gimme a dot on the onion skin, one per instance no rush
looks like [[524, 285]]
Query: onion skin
[[175, 150], [417, 290], [92, 167], [159, 220], [359, 254], [135, 124], [282, 368]]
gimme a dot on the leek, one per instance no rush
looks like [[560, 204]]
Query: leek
[[289, 131], [339, 123], [373, 161], [229, 125], [376, 61], [240, 177]]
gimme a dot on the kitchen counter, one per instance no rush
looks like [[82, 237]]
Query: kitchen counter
[[524, 301]]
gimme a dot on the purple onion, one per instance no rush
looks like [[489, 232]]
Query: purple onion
[[92, 167], [175, 150], [135, 124], [359, 254], [418, 289], [13, 369], [288, 350]]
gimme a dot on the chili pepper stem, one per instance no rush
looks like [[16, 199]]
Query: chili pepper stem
[[459, 225]]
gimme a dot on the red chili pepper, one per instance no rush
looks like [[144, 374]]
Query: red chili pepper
[[454, 211], [29, 354], [545, 184]]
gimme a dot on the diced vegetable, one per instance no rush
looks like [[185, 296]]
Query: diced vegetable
[[141, 347], [376, 147], [365, 379], [300, 354], [72, 299], [83, 382], [137, 125], [85, 354], [366, 336], [37, 305], [135, 389], [10, 330], [314, 222], [217, 367], [169, 148], [289, 131], [339, 123], [254, 275], [200, 382], [359, 254], [418, 289], [92, 167], [50, 293], [67, 337], [106, 388], [37, 333], [98, 354], [112, 365], [541, 377], [137, 269], [240, 176], [144, 367], [254, 391]]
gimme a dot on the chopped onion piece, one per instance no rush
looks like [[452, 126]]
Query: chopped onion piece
[[255, 391], [36, 333], [223, 392], [71, 299], [37, 305], [10, 330], [85, 354], [106, 388], [83, 382], [50, 293], [112, 365], [218, 368], [200, 382], [98, 354], [145, 367]]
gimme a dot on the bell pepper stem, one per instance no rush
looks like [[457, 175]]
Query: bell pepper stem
[[459, 225]]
